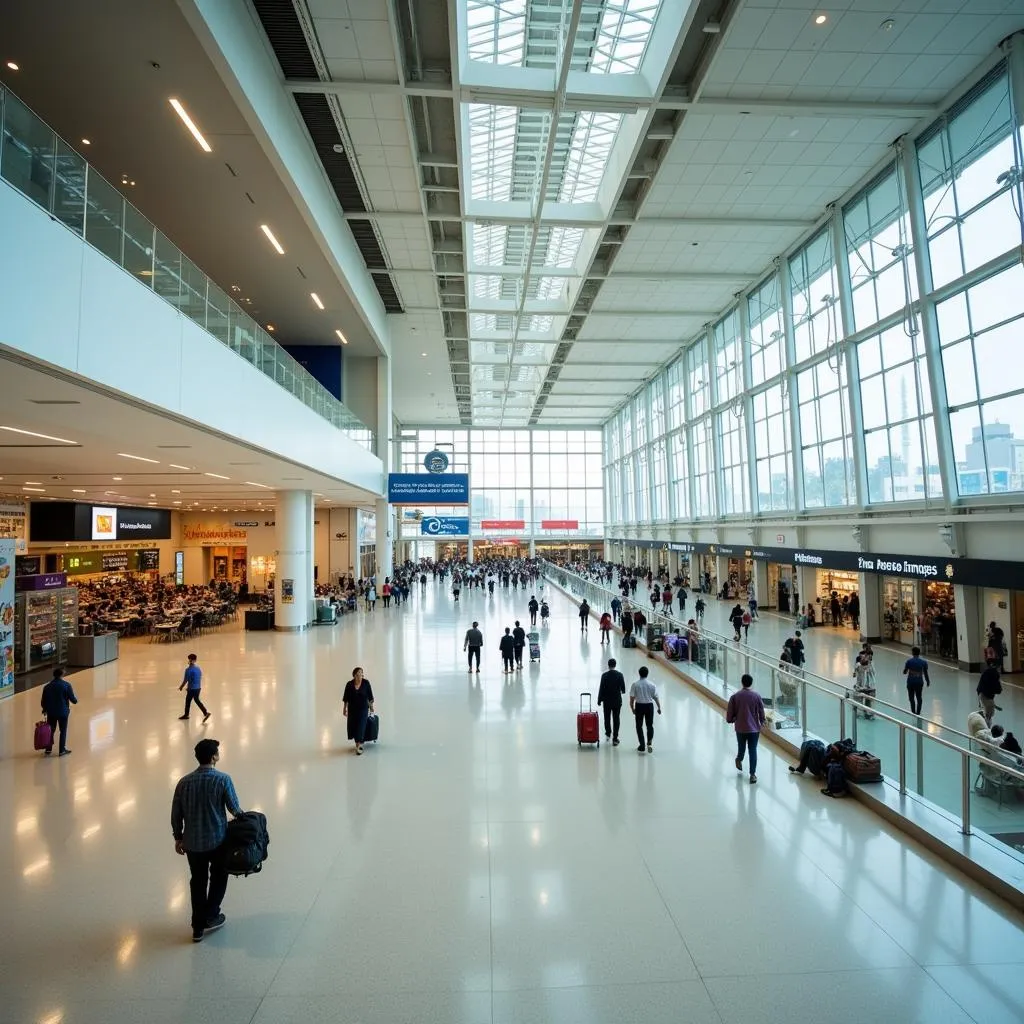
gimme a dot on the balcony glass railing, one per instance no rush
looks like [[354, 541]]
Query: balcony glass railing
[[974, 784], [45, 169]]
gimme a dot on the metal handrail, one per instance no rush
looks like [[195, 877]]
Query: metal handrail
[[763, 658], [967, 755]]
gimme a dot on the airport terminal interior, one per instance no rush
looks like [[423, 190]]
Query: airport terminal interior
[[334, 330]]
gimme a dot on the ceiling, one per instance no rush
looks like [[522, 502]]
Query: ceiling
[[87, 70], [557, 229], [89, 435], [553, 231]]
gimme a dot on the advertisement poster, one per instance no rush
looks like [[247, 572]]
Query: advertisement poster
[[287, 591], [7, 549], [104, 523], [428, 489], [444, 526], [13, 521]]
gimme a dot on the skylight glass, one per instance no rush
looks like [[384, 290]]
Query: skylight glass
[[626, 27], [563, 247], [492, 141], [496, 31], [592, 143], [489, 241]]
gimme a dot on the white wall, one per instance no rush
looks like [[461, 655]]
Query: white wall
[[66, 304], [359, 388]]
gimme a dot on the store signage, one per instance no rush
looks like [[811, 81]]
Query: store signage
[[115, 561], [428, 488], [212, 534], [559, 524], [444, 526], [503, 524], [82, 563], [972, 572], [149, 560], [435, 462], [8, 546], [70, 521], [44, 581], [249, 525]]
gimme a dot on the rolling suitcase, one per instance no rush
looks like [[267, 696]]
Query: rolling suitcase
[[534, 639], [372, 729], [588, 725], [43, 737]]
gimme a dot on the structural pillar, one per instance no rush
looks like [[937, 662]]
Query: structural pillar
[[807, 589], [469, 550], [761, 583], [385, 451], [970, 633], [533, 549], [872, 611], [721, 572], [293, 585]]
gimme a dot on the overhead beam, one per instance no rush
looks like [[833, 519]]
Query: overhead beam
[[828, 109], [800, 223], [697, 276]]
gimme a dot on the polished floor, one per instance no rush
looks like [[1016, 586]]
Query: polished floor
[[474, 867]]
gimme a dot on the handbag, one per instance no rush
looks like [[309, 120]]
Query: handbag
[[862, 766]]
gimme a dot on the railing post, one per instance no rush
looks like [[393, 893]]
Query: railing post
[[803, 705], [842, 718], [965, 793], [903, 760]]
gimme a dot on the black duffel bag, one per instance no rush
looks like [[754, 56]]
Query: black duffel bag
[[246, 844]]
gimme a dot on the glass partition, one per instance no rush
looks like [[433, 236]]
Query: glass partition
[[43, 168]]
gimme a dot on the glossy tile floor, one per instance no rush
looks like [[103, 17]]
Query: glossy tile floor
[[474, 867]]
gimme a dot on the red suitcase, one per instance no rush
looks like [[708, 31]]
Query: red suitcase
[[588, 725], [43, 735]]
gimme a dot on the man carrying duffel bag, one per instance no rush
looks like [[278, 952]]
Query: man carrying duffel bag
[[199, 822]]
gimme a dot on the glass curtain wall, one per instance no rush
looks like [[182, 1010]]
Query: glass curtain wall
[[856, 386], [529, 476]]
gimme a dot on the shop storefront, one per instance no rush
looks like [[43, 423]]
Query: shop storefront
[[782, 590], [838, 583], [366, 532]]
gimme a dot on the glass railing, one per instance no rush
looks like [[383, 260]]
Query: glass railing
[[45, 169], [974, 784]]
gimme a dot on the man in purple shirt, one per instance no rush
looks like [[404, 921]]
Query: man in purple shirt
[[746, 710]]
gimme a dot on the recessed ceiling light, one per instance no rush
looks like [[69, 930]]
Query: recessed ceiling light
[[423, 353], [117, 478], [341, 337], [316, 300], [190, 125], [175, 502], [252, 483], [270, 327], [174, 465], [217, 476], [152, 495], [138, 458], [77, 490], [13, 66], [175, 492], [32, 433], [270, 237], [150, 502], [34, 483], [35, 490], [888, 25], [821, 19], [86, 142]]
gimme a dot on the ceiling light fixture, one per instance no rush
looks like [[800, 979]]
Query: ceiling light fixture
[[37, 490], [270, 237], [86, 142], [190, 125], [341, 337], [138, 458], [175, 502], [117, 478], [270, 327], [13, 66], [217, 476], [821, 19], [33, 483], [77, 490], [252, 483], [32, 433], [174, 465], [173, 491], [316, 300], [888, 25]]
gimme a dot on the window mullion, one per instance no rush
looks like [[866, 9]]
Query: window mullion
[[796, 455]]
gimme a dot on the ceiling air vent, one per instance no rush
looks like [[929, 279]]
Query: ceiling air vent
[[281, 24]]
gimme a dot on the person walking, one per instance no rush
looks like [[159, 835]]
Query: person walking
[[371, 597], [584, 617], [681, 598], [699, 608], [55, 702], [627, 625], [797, 650], [605, 626], [616, 608], [544, 613], [193, 680], [507, 645], [996, 639], [916, 671], [534, 608], [456, 589], [989, 687], [357, 706], [199, 822], [519, 642], [473, 643], [609, 696], [854, 610], [736, 618], [385, 592], [747, 619], [745, 712], [643, 698]]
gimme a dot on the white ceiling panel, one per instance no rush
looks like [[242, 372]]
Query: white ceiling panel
[[633, 354]]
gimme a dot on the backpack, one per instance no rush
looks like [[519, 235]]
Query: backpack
[[245, 846], [746, 619], [835, 780]]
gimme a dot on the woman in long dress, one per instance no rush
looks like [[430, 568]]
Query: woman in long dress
[[357, 704]]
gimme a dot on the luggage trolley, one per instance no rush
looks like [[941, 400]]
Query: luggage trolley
[[533, 637]]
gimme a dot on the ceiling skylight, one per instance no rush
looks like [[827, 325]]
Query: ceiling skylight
[[625, 30], [492, 142], [496, 31], [592, 142]]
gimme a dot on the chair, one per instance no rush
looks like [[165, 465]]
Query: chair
[[185, 627]]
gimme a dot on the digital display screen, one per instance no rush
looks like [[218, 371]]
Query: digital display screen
[[104, 523]]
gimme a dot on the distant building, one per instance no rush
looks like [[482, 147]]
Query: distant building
[[1005, 455]]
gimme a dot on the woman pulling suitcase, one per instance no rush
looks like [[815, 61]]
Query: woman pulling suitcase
[[357, 706]]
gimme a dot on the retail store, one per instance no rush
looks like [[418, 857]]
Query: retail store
[[839, 583], [782, 593]]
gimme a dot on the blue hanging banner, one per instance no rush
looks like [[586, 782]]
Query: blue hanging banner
[[428, 489], [445, 526]]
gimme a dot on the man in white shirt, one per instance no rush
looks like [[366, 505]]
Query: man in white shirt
[[643, 698]]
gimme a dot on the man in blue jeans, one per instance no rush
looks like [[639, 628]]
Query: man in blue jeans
[[194, 681], [916, 671], [746, 712], [199, 822], [55, 701]]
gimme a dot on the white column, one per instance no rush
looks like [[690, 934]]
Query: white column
[[469, 550], [721, 571], [807, 589], [761, 583], [293, 585], [533, 549], [385, 452], [970, 633], [872, 625]]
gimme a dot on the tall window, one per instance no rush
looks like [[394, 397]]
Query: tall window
[[728, 358], [825, 435], [702, 467], [767, 341], [679, 473], [814, 284], [698, 381], [773, 449], [901, 456], [657, 395], [732, 431], [882, 269], [980, 331], [659, 474], [970, 207], [676, 395]]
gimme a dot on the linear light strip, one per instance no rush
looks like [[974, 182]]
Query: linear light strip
[[32, 433], [190, 125], [265, 228]]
